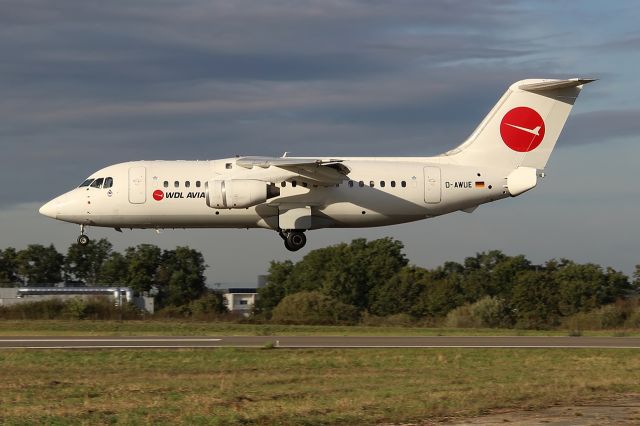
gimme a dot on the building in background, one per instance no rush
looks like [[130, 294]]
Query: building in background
[[240, 299], [15, 295]]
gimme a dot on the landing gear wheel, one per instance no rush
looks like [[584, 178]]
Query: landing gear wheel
[[286, 244], [83, 240], [295, 240]]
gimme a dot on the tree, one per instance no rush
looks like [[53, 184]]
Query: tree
[[586, 287], [9, 266], [503, 275], [276, 288], [400, 293], [636, 277], [211, 302], [618, 286], [440, 296], [313, 307], [485, 260], [486, 312], [535, 300], [38, 264], [180, 276], [475, 284], [143, 262], [114, 270], [346, 272], [83, 263], [358, 268], [491, 274]]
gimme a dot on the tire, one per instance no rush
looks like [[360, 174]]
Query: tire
[[288, 247], [296, 240], [83, 240]]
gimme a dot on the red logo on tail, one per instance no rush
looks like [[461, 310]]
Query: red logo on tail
[[522, 129]]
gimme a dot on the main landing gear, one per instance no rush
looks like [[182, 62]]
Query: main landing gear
[[83, 240], [294, 240]]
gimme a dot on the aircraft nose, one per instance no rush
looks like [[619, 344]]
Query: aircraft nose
[[49, 209]]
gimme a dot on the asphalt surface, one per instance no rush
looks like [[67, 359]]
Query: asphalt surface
[[93, 342]]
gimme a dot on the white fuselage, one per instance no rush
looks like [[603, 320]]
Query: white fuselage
[[380, 191]]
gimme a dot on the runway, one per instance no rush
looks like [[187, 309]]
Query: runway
[[300, 342]]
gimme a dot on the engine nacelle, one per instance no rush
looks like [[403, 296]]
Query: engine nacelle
[[238, 193]]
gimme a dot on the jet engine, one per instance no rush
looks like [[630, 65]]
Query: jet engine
[[239, 193]]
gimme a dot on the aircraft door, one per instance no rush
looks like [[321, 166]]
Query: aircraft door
[[137, 185], [432, 185]]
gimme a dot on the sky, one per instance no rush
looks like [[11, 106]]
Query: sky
[[85, 84]]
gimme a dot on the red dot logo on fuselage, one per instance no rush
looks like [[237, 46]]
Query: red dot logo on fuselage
[[522, 129], [158, 195]]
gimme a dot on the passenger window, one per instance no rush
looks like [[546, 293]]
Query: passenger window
[[294, 183], [187, 184], [228, 166], [166, 184], [108, 182], [86, 183], [283, 184], [197, 184], [304, 184], [176, 184], [97, 183], [382, 183], [403, 184], [371, 183], [350, 184], [361, 184], [393, 183]]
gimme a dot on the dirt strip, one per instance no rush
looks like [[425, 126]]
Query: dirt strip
[[621, 410]]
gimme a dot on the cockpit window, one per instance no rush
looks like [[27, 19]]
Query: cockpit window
[[97, 183], [108, 182], [86, 183]]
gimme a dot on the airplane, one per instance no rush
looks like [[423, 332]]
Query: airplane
[[503, 157]]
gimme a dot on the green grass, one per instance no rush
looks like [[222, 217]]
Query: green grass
[[299, 387], [182, 328]]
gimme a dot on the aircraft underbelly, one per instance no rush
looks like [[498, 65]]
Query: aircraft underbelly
[[340, 214]]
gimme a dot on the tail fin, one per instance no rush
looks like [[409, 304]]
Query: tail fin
[[522, 128]]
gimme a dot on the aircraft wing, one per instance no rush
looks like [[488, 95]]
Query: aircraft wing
[[321, 171]]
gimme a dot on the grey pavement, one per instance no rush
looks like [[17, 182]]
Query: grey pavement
[[176, 342]]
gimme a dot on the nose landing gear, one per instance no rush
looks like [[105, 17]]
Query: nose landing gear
[[294, 240], [83, 240]]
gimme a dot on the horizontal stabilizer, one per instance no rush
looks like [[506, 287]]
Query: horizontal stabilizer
[[555, 84]]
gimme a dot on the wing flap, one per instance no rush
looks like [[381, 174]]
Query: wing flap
[[318, 174], [320, 171], [265, 162]]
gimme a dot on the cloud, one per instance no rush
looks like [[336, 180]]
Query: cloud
[[603, 126], [97, 44], [89, 84], [85, 85]]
